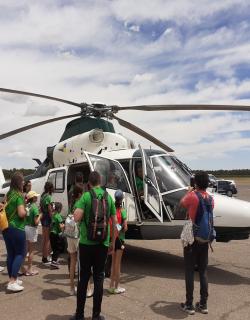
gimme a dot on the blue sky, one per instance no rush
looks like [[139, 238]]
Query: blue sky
[[129, 52]]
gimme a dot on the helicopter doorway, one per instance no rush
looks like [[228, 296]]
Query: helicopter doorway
[[113, 177]]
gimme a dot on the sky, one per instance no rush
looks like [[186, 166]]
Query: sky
[[125, 52]]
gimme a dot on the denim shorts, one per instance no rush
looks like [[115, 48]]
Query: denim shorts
[[46, 220]]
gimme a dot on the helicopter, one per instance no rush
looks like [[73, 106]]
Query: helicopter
[[90, 143]]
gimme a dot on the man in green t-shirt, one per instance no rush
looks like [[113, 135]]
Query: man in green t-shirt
[[92, 254]]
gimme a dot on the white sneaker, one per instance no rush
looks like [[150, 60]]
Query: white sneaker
[[119, 290], [1, 269], [90, 293], [19, 282], [73, 291], [14, 287]]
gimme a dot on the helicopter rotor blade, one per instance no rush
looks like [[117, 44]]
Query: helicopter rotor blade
[[169, 107], [32, 94], [37, 124], [142, 133]]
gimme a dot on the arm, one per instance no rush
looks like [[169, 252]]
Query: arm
[[21, 211], [50, 209], [37, 219], [78, 215], [125, 225]]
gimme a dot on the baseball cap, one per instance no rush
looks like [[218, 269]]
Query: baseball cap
[[119, 194], [32, 194]]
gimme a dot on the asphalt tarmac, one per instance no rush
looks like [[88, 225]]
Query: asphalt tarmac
[[153, 276]]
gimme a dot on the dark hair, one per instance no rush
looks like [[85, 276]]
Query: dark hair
[[58, 206], [79, 177], [94, 178], [48, 187], [201, 180], [16, 182], [26, 185], [77, 189]]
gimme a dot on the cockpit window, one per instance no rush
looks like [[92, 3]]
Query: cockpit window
[[169, 173]]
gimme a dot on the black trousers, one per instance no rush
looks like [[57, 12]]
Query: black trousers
[[55, 243], [196, 254], [91, 257]]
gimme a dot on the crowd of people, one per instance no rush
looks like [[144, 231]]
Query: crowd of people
[[95, 229]]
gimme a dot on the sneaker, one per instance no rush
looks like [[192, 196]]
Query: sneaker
[[90, 293], [111, 290], [54, 265], [45, 261], [201, 308], [19, 282], [73, 291], [1, 269], [14, 287], [119, 290], [187, 308]]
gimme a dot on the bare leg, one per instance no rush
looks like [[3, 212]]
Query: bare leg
[[117, 266], [72, 268], [112, 277], [45, 242]]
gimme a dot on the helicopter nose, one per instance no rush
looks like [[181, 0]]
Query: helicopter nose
[[231, 212], [231, 218]]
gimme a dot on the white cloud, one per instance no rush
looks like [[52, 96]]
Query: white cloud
[[104, 52]]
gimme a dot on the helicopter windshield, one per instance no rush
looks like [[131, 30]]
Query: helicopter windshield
[[170, 174]]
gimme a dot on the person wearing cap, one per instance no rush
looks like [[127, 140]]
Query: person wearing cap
[[31, 230], [121, 228]]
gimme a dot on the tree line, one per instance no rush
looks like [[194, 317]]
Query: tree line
[[229, 173], [8, 173]]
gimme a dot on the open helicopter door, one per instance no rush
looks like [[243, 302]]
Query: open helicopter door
[[113, 177], [152, 197]]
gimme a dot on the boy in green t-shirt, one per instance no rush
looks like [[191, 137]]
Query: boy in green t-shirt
[[56, 228], [121, 228]]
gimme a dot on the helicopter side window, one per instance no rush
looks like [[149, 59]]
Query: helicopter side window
[[58, 180], [112, 175]]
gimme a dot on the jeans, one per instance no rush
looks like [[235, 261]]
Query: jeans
[[196, 254], [91, 256], [15, 243]]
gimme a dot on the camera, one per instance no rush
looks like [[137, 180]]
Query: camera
[[192, 181]]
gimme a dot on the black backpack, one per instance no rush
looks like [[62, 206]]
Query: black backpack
[[97, 227]]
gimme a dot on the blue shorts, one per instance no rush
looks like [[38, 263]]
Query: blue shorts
[[46, 220]]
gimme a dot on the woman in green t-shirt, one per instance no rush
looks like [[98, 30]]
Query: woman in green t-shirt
[[121, 228], [14, 235]]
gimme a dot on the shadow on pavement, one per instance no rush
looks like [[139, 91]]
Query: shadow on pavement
[[54, 294], [56, 317], [170, 310], [139, 262], [66, 317]]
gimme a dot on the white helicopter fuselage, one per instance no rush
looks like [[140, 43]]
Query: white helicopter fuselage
[[165, 180]]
